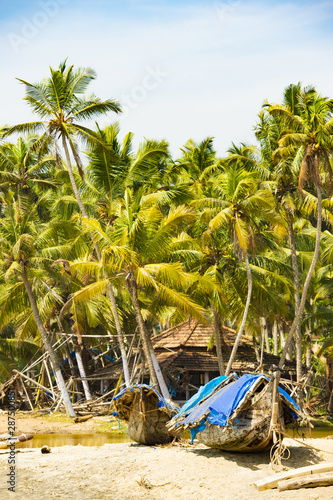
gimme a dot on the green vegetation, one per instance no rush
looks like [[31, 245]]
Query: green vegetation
[[138, 239]]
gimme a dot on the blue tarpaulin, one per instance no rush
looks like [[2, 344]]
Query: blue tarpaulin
[[203, 392], [218, 408], [161, 402]]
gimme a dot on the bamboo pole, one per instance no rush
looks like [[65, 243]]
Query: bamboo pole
[[310, 481], [41, 377], [272, 481], [31, 380], [68, 385], [26, 393], [49, 377], [73, 391], [118, 385]]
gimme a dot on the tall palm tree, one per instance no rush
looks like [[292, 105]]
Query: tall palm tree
[[309, 132], [21, 263], [239, 204], [13, 352], [60, 101], [23, 170], [137, 252]]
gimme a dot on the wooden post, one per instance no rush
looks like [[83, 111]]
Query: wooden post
[[68, 386], [26, 393], [31, 380], [41, 379], [275, 426], [311, 481], [272, 481], [49, 377]]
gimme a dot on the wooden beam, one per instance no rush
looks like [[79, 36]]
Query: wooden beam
[[32, 380], [272, 481], [310, 481], [26, 393]]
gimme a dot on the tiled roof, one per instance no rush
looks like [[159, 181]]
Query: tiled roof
[[185, 347], [191, 333]]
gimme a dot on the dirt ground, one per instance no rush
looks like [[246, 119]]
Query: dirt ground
[[56, 423], [130, 471]]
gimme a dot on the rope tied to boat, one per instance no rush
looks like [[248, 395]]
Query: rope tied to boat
[[279, 451]]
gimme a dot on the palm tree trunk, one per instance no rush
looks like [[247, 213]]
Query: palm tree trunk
[[72, 178], [246, 310], [289, 355], [82, 372], [307, 281], [109, 288], [132, 290], [275, 338], [298, 336], [47, 344], [308, 356], [217, 330], [265, 334], [120, 337]]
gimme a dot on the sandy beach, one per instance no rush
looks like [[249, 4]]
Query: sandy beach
[[130, 471]]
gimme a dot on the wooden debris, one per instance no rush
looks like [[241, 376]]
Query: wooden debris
[[82, 419], [310, 481], [272, 481]]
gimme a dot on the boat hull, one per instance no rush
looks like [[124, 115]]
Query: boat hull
[[250, 430], [146, 422]]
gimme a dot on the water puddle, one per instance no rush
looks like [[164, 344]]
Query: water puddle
[[99, 439], [316, 433], [53, 440]]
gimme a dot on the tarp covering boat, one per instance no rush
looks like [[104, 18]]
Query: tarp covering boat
[[146, 413], [220, 408], [203, 393], [160, 401]]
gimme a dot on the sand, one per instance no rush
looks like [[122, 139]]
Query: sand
[[130, 471]]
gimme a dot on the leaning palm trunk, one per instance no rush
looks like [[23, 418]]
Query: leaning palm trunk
[[307, 281], [132, 290], [83, 375], [275, 338], [217, 330], [297, 297], [246, 310], [120, 337], [47, 344], [109, 288]]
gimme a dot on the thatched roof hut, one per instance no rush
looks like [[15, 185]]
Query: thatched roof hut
[[187, 363]]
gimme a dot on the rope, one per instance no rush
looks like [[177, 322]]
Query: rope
[[305, 444], [279, 451], [122, 425]]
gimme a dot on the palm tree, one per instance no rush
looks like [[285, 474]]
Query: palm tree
[[21, 263], [23, 171], [284, 174], [137, 253], [14, 353], [309, 132], [239, 204], [58, 101]]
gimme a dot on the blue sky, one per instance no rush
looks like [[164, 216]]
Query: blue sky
[[180, 69]]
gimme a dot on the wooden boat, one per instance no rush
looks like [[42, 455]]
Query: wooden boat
[[237, 415], [146, 413]]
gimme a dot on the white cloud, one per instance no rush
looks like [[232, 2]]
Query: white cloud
[[218, 70]]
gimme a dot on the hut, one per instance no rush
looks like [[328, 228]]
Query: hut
[[187, 363]]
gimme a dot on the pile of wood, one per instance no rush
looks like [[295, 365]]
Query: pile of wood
[[294, 479]]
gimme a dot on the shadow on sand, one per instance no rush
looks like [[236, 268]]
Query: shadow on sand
[[299, 457]]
